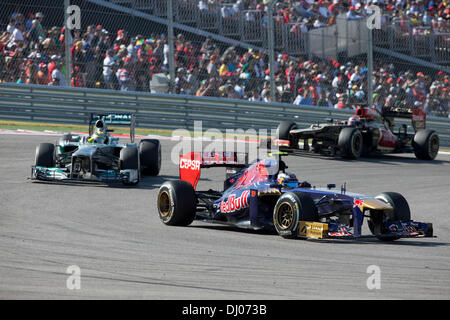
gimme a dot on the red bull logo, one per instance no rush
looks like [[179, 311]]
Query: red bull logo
[[235, 204], [359, 203]]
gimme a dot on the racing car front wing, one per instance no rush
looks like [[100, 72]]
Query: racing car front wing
[[63, 174], [397, 229]]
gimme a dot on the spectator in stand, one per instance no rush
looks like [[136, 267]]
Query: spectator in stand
[[143, 68], [126, 75], [113, 83], [352, 14], [89, 66], [42, 74], [77, 78], [58, 78], [255, 96], [16, 39], [22, 78], [78, 56], [31, 72], [52, 66]]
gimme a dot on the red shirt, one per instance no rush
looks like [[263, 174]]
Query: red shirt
[[51, 67]]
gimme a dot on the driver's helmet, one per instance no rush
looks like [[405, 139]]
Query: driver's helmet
[[354, 121], [287, 179], [99, 124], [99, 135]]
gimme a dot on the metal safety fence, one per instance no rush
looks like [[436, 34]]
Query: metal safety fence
[[165, 111]]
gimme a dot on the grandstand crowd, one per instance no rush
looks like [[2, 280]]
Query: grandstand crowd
[[315, 14], [33, 53]]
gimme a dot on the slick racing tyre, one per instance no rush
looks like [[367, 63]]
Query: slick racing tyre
[[426, 144], [176, 203], [283, 130], [291, 208], [350, 143], [129, 159], [150, 155], [377, 219], [45, 155]]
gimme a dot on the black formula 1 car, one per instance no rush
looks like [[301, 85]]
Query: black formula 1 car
[[367, 133], [98, 156], [262, 195]]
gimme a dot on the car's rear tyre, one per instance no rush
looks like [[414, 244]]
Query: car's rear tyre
[[291, 208], [129, 160], [176, 203], [283, 133], [150, 155], [45, 155], [426, 144], [401, 212], [350, 143]]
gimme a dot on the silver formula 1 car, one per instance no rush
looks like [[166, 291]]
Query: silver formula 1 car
[[98, 156]]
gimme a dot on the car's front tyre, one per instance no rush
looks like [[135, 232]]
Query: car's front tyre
[[350, 143], [129, 160], [45, 155], [400, 212], [291, 208], [283, 133]]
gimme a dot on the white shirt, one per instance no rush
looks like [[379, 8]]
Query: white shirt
[[10, 28], [107, 63], [255, 99], [318, 24], [15, 36], [132, 52], [56, 74]]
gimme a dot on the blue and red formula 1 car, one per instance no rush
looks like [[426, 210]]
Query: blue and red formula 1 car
[[262, 195]]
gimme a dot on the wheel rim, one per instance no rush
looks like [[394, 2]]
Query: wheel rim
[[357, 144], [434, 146], [164, 203], [285, 216]]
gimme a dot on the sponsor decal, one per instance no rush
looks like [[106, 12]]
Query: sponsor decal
[[312, 229], [359, 203], [393, 227], [254, 174], [190, 164], [234, 203], [387, 139]]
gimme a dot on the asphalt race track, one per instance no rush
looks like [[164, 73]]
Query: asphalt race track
[[114, 235]]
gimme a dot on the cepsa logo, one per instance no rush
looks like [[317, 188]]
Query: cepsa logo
[[234, 204], [190, 164]]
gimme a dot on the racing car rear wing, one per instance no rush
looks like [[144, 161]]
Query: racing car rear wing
[[417, 116], [192, 162], [116, 119]]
